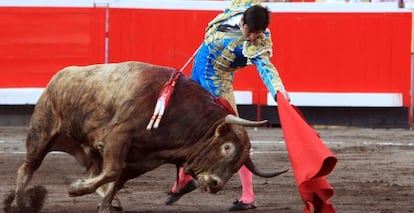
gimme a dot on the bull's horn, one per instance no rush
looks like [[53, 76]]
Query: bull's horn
[[231, 119], [250, 165]]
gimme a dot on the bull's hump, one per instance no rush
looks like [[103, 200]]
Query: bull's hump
[[96, 74], [108, 81]]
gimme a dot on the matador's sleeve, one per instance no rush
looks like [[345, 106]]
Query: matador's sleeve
[[269, 74], [259, 53]]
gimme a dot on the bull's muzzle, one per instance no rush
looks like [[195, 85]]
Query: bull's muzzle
[[210, 183]]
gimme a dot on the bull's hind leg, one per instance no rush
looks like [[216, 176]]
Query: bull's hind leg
[[114, 154], [40, 135], [37, 142]]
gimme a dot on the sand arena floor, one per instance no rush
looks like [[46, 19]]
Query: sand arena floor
[[374, 173]]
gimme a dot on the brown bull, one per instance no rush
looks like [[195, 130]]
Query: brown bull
[[99, 114]]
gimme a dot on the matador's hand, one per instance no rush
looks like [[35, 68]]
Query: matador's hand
[[284, 93]]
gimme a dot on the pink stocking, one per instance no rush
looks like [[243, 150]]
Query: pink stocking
[[246, 179], [183, 179]]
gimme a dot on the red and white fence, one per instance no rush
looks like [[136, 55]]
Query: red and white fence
[[328, 54]]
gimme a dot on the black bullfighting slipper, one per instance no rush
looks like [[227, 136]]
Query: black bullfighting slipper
[[175, 196], [238, 206]]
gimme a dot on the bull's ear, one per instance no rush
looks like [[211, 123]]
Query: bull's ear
[[221, 130]]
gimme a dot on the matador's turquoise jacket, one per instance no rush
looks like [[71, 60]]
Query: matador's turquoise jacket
[[222, 53]]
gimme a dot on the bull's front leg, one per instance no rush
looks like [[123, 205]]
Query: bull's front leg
[[115, 150], [106, 204], [103, 192]]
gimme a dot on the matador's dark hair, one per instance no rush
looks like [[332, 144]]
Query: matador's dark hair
[[256, 18]]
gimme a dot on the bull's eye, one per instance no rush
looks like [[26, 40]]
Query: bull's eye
[[227, 149]]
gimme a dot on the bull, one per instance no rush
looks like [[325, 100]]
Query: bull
[[98, 114]]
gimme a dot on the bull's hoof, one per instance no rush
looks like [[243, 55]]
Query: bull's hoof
[[31, 201], [109, 209], [7, 203], [117, 208], [116, 205], [78, 188]]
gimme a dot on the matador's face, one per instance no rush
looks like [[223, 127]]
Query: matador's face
[[247, 34]]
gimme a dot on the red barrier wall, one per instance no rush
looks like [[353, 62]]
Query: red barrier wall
[[344, 52], [161, 37], [37, 42], [314, 51]]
